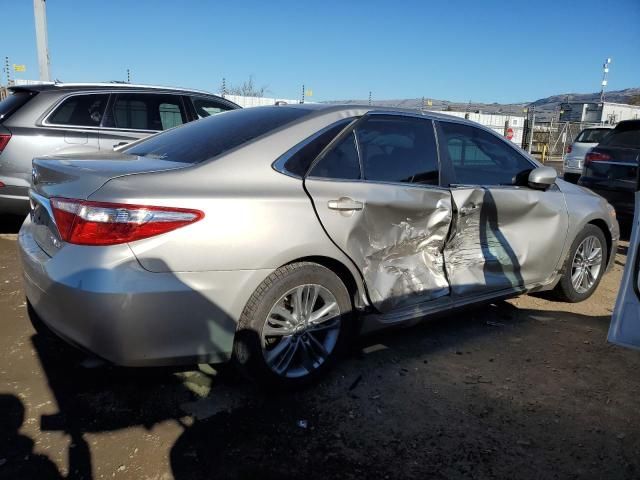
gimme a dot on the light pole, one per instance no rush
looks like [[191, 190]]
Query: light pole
[[605, 72], [40, 13]]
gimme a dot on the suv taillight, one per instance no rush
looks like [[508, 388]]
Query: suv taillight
[[98, 223], [596, 157], [569, 148], [4, 140]]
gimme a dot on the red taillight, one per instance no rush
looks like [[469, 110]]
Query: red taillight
[[98, 223], [596, 157], [569, 148], [4, 139]]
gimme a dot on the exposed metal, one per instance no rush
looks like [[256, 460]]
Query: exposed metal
[[301, 330]]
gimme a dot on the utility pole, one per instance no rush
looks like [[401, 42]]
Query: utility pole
[[533, 126], [605, 72], [42, 41]]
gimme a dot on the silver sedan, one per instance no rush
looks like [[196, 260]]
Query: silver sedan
[[272, 235]]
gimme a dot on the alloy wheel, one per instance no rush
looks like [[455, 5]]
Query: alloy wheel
[[301, 330], [586, 265]]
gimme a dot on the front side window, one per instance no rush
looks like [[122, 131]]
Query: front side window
[[398, 149], [147, 111], [480, 158], [205, 107], [80, 111]]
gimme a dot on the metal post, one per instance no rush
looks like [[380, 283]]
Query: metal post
[[533, 125], [224, 87], [128, 76], [42, 42], [369, 97], [302, 101]]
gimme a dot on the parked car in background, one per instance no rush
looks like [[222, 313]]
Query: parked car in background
[[611, 168], [58, 118], [574, 156], [258, 233]]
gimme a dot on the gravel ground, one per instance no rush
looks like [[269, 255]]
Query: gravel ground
[[526, 388]]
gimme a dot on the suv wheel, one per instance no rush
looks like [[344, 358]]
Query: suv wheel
[[294, 325]]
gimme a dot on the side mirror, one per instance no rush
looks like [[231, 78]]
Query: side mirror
[[542, 178]]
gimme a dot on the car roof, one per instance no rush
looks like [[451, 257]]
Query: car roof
[[57, 86], [337, 107]]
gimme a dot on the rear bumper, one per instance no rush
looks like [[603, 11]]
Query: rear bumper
[[102, 300]]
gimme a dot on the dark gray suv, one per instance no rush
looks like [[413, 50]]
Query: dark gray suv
[[44, 119]]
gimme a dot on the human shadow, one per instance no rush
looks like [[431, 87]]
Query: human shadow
[[376, 419], [93, 395], [18, 461]]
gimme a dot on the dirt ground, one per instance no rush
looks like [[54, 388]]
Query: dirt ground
[[526, 388]]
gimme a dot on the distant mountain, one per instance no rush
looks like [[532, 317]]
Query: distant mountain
[[545, 107]]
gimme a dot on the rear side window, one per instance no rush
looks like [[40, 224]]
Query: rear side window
[[13, 102], [300, 161], [80, 111], [146, 111], [205, 107], [592, 135], [341, 162], [210, 137], [626, 136], [398, 149]]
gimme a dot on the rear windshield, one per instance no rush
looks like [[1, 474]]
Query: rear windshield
[[13, 102], [624, 135], [212, 136], [592, 135]]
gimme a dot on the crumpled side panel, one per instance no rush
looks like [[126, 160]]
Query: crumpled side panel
[[504, 238], [401, 250]]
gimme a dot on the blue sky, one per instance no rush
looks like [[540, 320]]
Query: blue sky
[[456, 49]]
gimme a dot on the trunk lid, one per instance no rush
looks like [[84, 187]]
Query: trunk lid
[[78, 176]]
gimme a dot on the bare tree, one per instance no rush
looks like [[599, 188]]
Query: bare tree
[[247, 89]]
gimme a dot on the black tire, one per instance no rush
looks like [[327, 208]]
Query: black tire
[[248, 345], [565, 290]]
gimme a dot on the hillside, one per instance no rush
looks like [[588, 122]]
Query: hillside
[[544, 106]]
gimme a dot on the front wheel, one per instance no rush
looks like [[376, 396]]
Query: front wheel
[[585, 265], [294, 326]]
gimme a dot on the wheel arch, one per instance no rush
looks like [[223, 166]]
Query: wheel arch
[[353, 284]]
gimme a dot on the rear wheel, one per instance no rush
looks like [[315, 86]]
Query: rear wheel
[[294, 325], [585, 265]]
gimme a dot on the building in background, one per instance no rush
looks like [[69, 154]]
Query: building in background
[[510, 126], [599, 113]]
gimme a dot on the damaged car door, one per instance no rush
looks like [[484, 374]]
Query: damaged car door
[[505, 234], [377, 192]]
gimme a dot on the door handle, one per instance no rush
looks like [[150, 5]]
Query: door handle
[[345, 204]]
